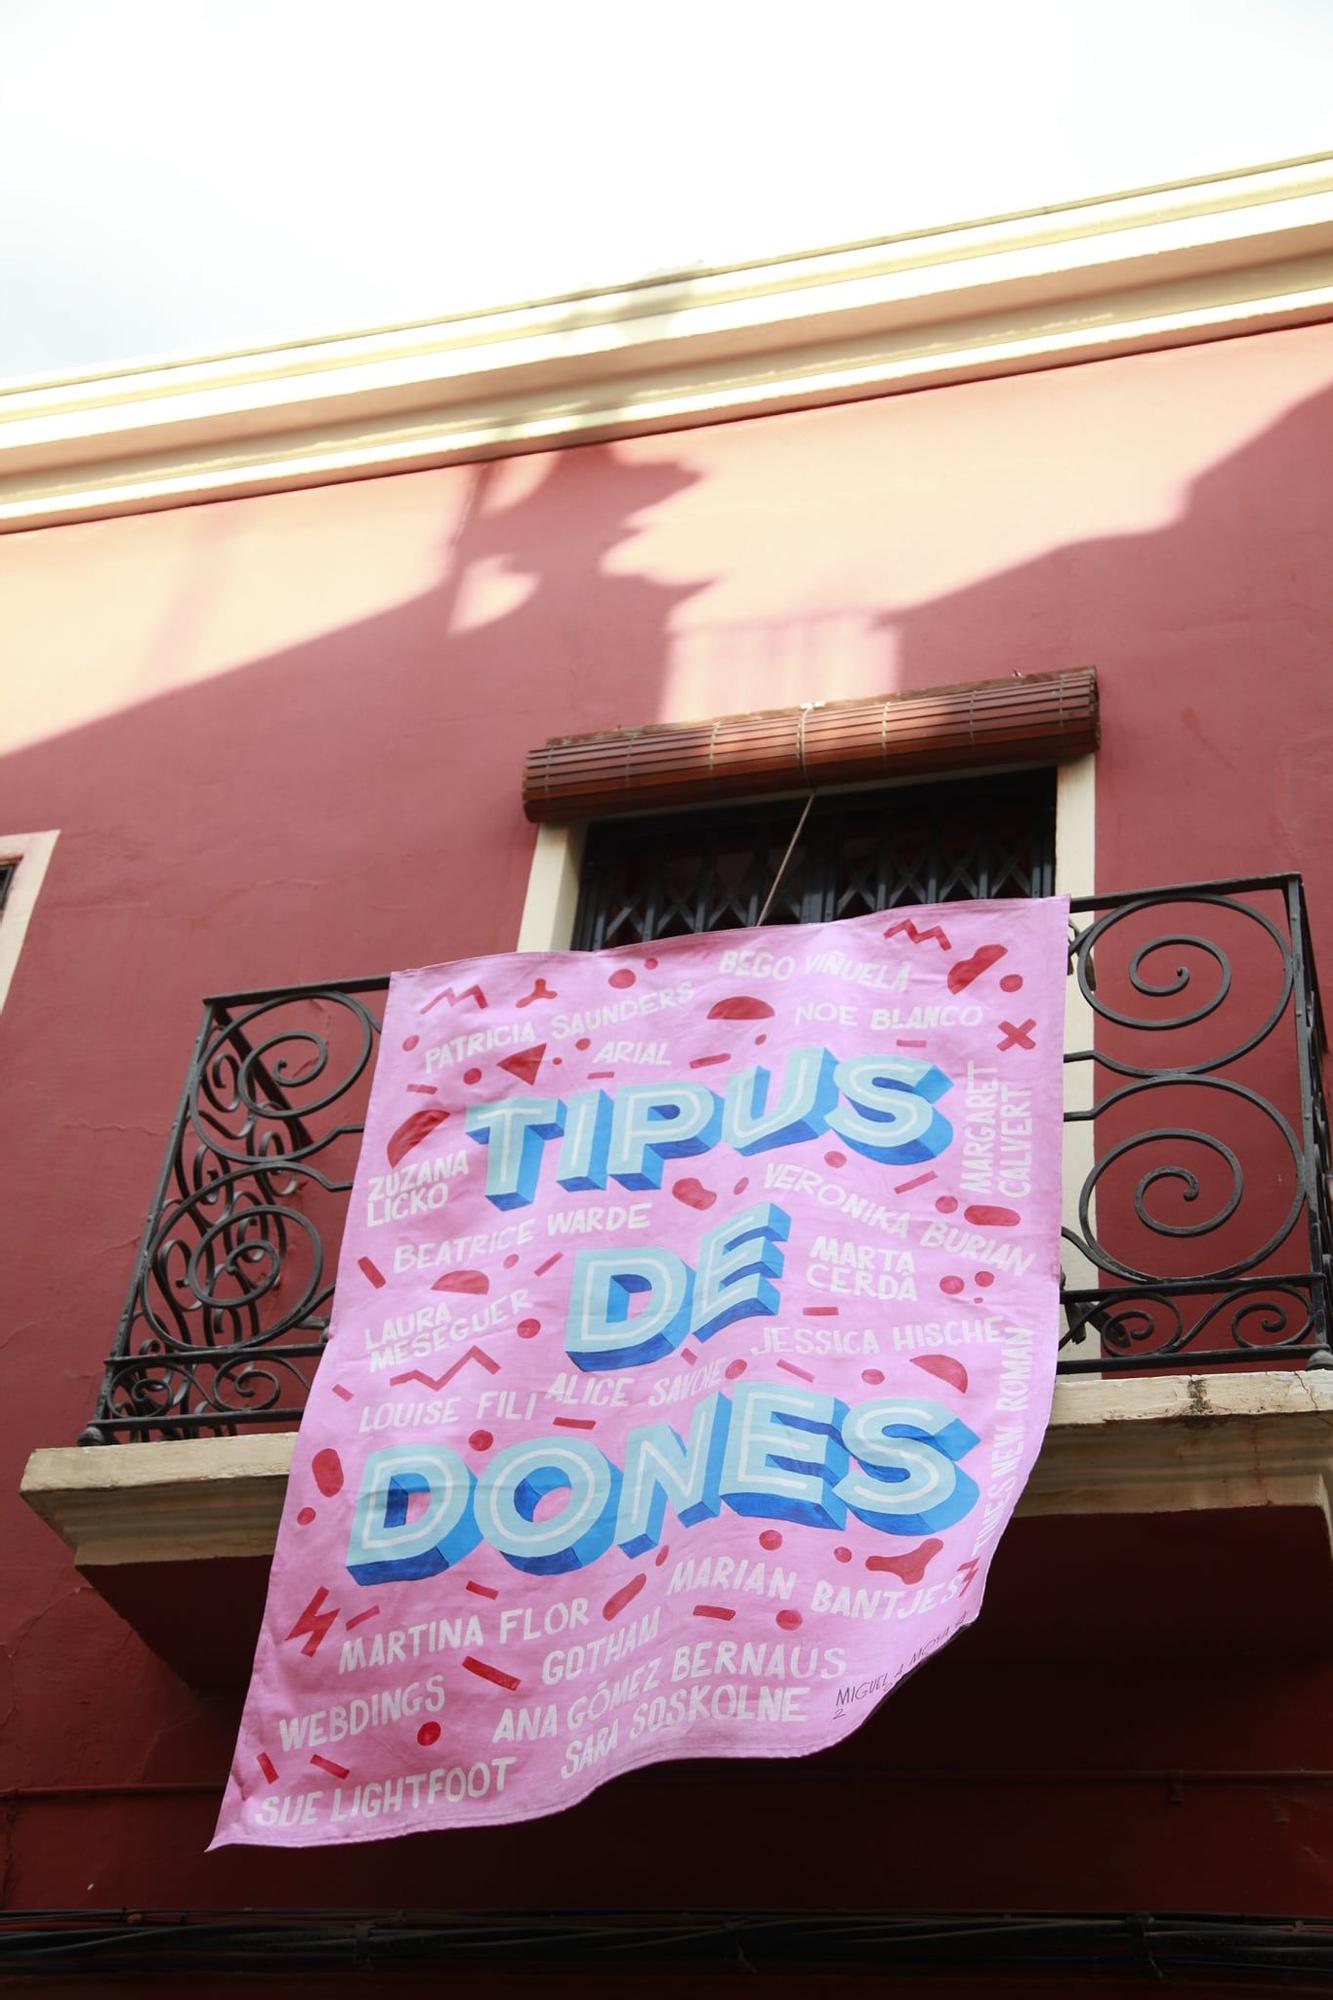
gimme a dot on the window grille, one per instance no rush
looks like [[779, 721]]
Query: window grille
[[679, 873]]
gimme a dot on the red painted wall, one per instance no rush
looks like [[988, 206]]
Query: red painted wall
[[282, 739]]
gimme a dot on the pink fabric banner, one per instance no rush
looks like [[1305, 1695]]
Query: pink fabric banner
[[693, 1340]]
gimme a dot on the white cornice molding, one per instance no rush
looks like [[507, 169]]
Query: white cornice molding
[[1199, 260], [1163, 1445]]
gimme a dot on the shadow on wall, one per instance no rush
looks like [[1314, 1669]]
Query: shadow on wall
[[351, 803]]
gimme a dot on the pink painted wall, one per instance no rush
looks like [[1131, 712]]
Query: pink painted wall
[[282, 739]]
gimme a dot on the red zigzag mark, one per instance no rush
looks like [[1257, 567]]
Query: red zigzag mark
[[315, 1623], [456, 999], [473, 1354], [919, 937]]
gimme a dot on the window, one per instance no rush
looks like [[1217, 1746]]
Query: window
[[23, 863], [673, 874]]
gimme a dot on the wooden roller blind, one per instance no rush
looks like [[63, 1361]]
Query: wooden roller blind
[[1029, 718]]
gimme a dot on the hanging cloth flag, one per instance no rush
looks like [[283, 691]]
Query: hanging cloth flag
[[694, 1337]]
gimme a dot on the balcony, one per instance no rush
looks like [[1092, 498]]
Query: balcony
[[1195, 1348]]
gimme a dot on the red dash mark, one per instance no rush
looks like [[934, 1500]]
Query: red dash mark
[[842, 1553], [411, 1043], [362, 1616], [911, 1567], [543, 1268], [313, 1624], [482, 1590], [418, 1375], [524, 1063], [789, 1620], [418, 1126], [905, 1187], [872, 1376], [622, 978], [575, 1423], [967, 969], [835, 1159], [495, 1674], [472, 1076], [595, 1073], [462, 1281], [759, 1041], [819, 1312], [618, 1599], [428, 1733], [953, 1286], [268, 1767], [944, 1368], [714, 1611], [425, 1089], [1016, 1038], [528, 1329], [481, 1440], [662, 1555], [741, 1184], [541, 991], [911, 1042], [327, 1764], [372, 1271], [770, 1539], [305, 1517], [511, 1260], [693, 1193], [968, 1572], [706, 1062], [345, 1395], [792, 1369], [688, 1356], [919, 937], [472, 993], [740, 1007], [984, 1217], [1012, 982], [328, 1470], [734, 1370]]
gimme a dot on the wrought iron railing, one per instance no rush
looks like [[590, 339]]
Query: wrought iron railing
[[1198, 1234]]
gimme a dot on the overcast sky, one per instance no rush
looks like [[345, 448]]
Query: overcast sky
[[188, 175]]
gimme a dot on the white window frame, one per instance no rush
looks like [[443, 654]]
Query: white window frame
[[29, 855]]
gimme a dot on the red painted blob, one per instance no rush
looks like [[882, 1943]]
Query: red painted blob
[[734, 1370], [411, 1043], [1012, 982], [952, 1286], [874, 1376], [306, 1516], [481, 1440], [842, 1553], [741, 1184], [472, 1076], [662, 1555], [759, 1041], [650, 965], [428, 1733], [790, 1621], [946, 1203], [328, 1470], [984, 1278], [511, 1260], [583, 1043], [770, 1539], [835, 1159], [528, 1329], [624, 977]]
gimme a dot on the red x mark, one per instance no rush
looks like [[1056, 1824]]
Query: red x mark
[[1016, 1038]]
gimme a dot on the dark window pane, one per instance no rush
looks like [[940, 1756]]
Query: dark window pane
[[859, 852]]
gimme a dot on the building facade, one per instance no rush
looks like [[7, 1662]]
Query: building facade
[[289, 638]]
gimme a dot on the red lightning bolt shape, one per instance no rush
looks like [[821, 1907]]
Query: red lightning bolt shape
[[314, 1623], [918, 937]]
